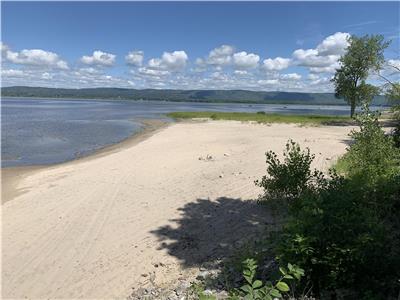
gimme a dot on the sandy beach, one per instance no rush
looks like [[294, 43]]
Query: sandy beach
[[144, 212]]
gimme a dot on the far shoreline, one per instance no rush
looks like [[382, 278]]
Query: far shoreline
[[177, 101]]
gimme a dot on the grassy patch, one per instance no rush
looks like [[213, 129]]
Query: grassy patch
[[342, 165], [262, 117]]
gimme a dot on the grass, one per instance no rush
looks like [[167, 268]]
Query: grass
[[342, 165], [262, 117]]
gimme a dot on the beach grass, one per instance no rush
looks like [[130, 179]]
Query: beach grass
[[262, 117]]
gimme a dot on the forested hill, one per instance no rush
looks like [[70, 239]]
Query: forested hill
[[212, 96]]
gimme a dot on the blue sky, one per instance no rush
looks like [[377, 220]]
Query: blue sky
[[290, 46]]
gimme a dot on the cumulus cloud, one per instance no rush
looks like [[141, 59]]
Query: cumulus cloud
[[291, 76], [135, 58], [335, 44], [172, 61], [276, 64], [242, 60], [99, 58], [33, 57], [324, 58], [220, 56]]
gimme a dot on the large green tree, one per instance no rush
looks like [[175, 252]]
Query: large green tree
[[363, 55]]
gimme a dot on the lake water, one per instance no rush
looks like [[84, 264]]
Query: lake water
[[47, 131]]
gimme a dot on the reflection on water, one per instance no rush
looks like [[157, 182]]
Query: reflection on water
[[46, 131]]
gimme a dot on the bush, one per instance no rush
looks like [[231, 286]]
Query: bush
[[373, 153], [343, 231], [288, 180], [346, 237]]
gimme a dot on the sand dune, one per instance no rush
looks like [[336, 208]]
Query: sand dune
[[150, 212]]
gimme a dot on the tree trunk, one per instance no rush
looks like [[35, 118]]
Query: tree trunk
[[352, 109]]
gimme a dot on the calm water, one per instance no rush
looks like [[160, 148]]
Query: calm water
[[38, 131]]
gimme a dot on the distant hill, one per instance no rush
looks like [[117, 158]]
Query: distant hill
[[211, 96]]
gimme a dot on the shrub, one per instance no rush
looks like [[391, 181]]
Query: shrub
[[343, 231], [373, 153], [346, 237], [290, 179]]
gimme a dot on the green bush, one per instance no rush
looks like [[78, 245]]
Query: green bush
[[343, 231], [346, 237], [373, 153], [289, 179]]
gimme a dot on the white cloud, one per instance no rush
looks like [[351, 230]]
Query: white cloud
[[46, 76], [291, 76], [217, 57], [276, 64], [89, 70], [242, 60], [268, 81], [220, 56], [313, 76], [12, 73], [152, 72], [335, 44], [99, 58], [33, 57], [172, 61], [240, 72], [394, 63], [325, 57], [135, 58]]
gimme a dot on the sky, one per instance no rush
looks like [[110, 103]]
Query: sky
[[268, 46]]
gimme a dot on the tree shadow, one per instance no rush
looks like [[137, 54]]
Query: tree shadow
[[211, 230]]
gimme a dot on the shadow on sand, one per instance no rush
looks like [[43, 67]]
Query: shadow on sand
[[210, 230]]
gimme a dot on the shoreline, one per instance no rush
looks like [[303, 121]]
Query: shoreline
[[176, 101], [11, 176]]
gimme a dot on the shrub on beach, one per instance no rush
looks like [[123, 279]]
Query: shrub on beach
[[343, 231]]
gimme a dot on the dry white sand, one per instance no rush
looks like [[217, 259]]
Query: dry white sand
[[150, 212]]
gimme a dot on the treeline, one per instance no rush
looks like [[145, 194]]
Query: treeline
[[210, 96]]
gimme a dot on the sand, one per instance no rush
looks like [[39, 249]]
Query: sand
[[148, 212]]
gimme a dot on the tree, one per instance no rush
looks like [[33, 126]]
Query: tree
[[363, 55]]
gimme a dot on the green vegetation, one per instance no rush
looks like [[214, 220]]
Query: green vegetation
[[363, 55], [255, 289], [209, 96], [344, 231], [261, 117]]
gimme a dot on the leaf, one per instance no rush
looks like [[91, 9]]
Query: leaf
[[282, 270], [246, 288], [257, 284], [290, 267], [288, 276], [275, 293], [248, 297], [282, 286], [248, 279], [268, 297]]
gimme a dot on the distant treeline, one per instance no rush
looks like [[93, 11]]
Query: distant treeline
[[211, 96]]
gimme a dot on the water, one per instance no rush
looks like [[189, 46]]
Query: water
[[46, 131]]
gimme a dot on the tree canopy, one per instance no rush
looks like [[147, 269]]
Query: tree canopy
[[363, 55]]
